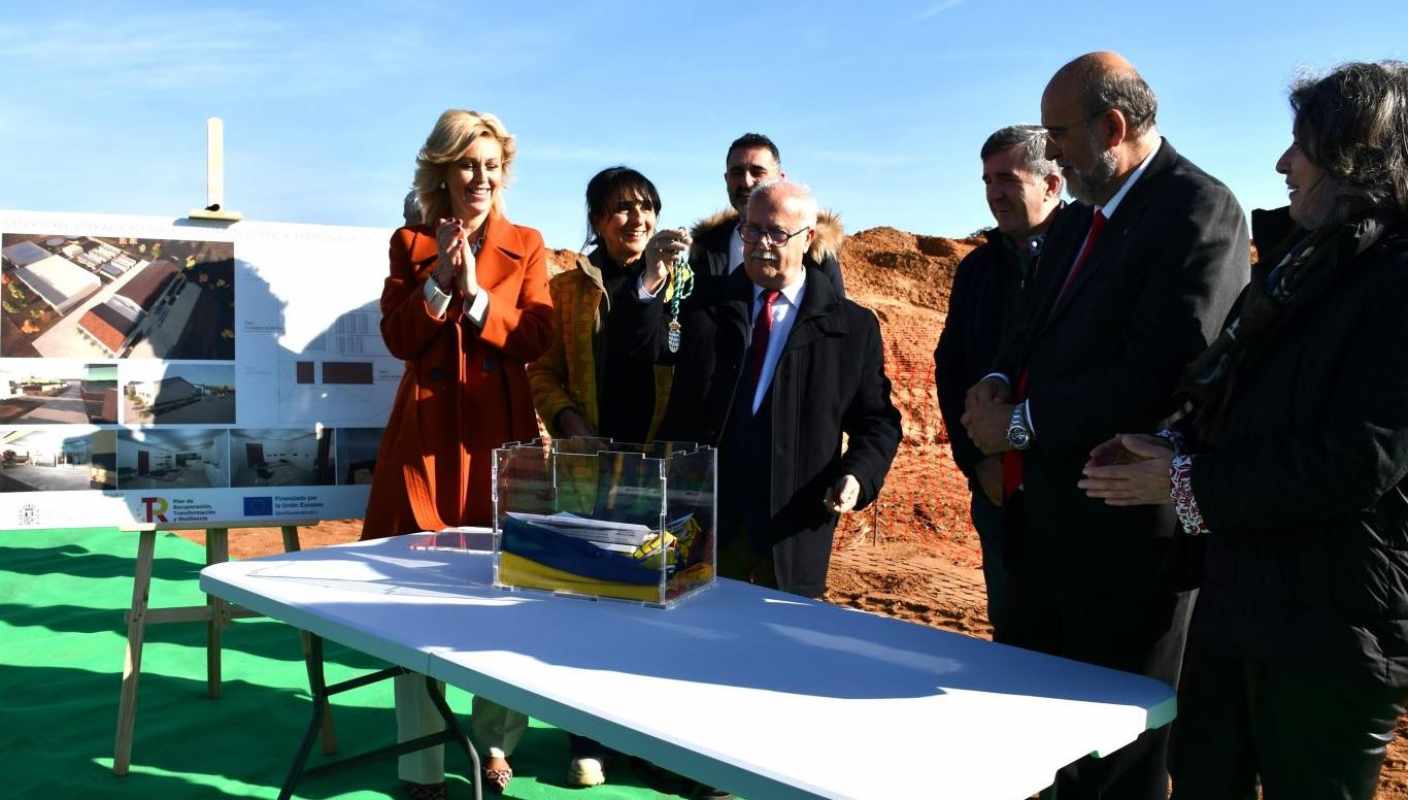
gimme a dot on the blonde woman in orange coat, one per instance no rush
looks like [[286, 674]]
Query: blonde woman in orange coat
[[466, 306]]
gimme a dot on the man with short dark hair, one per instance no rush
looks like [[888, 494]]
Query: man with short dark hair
[[1134, 282], [753, 159], [1023, 191]]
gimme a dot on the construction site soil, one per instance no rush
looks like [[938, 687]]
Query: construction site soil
[[914, 554]]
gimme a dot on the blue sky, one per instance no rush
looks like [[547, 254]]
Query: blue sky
[[880, 107]]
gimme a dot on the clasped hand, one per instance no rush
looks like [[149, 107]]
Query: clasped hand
[[987, 412], [455, 266], [1130, 470]]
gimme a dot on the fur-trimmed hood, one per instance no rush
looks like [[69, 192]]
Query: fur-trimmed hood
[[713, 231]]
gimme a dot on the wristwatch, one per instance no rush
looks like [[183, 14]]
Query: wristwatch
[[1019, 433]]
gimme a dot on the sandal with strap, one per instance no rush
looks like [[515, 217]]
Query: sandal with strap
[[496, 778]]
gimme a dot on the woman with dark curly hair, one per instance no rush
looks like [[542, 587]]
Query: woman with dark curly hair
[[1288, 465]]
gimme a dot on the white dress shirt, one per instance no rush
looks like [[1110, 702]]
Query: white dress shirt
[[784, 313], [735, 249]]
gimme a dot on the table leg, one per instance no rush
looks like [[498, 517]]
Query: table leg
[[321, 692], [320, 702], [453, 730], [329, 734], [217, 550], [132, 661], [452, 734]]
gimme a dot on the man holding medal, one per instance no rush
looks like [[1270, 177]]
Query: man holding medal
[[773, 367], [717, 249]]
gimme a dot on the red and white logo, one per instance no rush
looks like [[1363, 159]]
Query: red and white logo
[[156, 508]]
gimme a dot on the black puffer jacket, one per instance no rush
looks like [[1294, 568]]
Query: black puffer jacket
[[1307, 562]]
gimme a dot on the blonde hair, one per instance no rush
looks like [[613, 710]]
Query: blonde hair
[[451, 136]]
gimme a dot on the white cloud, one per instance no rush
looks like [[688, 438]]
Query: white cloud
[[174, 50], [938, 8]]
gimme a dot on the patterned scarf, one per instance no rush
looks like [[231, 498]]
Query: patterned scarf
[[1311, 263]]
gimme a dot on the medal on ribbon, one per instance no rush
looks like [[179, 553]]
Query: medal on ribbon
[[681, 287]]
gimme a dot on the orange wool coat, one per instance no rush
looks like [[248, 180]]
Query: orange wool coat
[[464, 391]]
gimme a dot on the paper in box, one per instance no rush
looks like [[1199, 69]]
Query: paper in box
[[590, 517]]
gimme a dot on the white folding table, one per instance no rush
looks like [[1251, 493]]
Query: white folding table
[[762, 693]]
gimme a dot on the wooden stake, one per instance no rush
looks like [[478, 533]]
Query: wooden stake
[[215, 175]]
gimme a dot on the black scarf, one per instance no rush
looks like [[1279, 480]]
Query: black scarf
[[613, 275], [1287, 280]]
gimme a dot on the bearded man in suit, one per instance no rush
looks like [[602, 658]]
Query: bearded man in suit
[[1134, 282]]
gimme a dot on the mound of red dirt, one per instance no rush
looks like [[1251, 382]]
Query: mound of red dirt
[[905, 279], [561, 261]]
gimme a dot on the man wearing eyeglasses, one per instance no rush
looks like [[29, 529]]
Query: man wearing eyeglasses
[[1133, 283], [774, 366], [717, 248]]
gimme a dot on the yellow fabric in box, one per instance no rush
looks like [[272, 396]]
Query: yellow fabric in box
[[519, 571]]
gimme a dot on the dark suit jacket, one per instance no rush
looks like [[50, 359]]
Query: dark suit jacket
[[1103, 360], [830, 379]]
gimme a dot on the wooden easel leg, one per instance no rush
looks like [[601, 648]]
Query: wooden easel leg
[[217, 550], [329, 734], [132, 661]]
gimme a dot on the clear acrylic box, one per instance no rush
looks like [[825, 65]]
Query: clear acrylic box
[[589, 517]]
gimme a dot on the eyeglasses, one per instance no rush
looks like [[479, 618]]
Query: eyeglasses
[[1058, 131], [770, 237]]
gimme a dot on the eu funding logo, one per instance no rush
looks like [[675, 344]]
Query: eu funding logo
[[156, 508], [259, 506]]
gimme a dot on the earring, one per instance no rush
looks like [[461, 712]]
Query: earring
[[442, 185]]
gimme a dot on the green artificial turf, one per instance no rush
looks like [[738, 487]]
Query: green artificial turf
[[63, 595]]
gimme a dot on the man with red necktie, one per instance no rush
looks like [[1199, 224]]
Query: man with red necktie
[[1134, 282], [773, 368]]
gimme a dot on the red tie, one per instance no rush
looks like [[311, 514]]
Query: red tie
[[1012, 459], [1097, 224], [758, 350]]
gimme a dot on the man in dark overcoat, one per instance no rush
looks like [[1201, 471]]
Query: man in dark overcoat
[[774, 368]]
